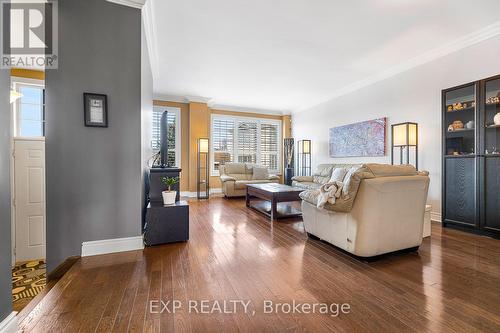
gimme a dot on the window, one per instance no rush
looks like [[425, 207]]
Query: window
[[269, 145], [173, 132], [222, 142], [245, 140], [29, 109]]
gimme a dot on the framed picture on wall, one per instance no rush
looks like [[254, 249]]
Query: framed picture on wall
[[95, 109]]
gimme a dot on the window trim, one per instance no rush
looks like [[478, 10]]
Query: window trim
[[16, 82], [259, 121], [178, 144]]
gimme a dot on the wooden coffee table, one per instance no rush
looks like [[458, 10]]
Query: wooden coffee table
[[277, 200]]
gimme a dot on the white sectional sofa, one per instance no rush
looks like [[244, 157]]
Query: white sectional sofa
[[385, 214]]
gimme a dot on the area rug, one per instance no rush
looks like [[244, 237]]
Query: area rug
[[28, 279]]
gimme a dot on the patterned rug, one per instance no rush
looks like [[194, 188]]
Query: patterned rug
[[28, 279]]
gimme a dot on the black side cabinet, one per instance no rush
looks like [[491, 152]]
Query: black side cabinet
[[471, 157], [166, 224]]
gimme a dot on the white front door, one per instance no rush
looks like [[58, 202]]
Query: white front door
[[29, 198]]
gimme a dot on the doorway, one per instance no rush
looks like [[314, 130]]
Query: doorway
[[28, 186]]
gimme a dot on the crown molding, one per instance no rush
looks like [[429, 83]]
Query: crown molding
[[212, 105], [463, 42], [247, 109], [130, 3], [198, 99], [151, 38], [170, 98]]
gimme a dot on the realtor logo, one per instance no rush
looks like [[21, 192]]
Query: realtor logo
[[29, 33]]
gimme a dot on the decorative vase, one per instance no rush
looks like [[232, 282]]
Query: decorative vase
[[457, 124], [169, 197], [496, 119]]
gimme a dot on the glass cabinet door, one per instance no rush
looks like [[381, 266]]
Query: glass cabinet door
[[492, 117], [460, 121], [491, 170]]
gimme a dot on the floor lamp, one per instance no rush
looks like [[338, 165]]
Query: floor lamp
[[404, 136], [203, 188], [304, 157]]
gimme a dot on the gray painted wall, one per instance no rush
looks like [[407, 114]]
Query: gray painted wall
[[5, 248], [93, 174]]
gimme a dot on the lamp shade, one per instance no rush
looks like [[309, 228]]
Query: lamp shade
[[306, 146], [404, 134], [203, 145]]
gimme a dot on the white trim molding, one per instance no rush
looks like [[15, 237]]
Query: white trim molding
[[9, 324], [106, 246], [436, 217], [223, 107], [130, 3], [473, 38], [149, 26], [198, 99], [170, 98], [194, 194]]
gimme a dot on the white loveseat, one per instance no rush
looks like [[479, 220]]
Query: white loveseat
[[235, 177], [386, 215]]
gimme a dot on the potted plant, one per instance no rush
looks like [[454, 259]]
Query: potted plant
[[169, 195]]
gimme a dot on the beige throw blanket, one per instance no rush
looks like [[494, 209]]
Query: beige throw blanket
[[329, 192]]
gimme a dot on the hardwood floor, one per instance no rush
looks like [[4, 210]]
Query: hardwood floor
[[451, 284]]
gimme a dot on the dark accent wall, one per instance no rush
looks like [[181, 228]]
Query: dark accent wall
[[93, 174], [5, 248]]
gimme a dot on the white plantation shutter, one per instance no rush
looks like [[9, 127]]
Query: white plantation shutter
[[269, 145], [245, 140], [222, 141]]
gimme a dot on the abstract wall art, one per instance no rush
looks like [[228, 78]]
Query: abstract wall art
[[366, 138]]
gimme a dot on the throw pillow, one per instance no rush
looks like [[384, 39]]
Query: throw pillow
[[338, 175], [260, 173]]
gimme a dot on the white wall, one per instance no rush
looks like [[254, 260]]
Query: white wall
[[414, 95], [146, 114]]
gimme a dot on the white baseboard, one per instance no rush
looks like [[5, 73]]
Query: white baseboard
[[436, 217], [194, 194], [9, 324], [106, 246]]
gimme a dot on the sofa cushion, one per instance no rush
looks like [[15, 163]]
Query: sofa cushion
[[305, 185], [234, 168], [338, 175], [352, 180], [387, 170], [260, 173], [242, 184], [323, 173]]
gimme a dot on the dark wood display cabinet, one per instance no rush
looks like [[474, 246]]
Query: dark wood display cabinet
[[471, 157]]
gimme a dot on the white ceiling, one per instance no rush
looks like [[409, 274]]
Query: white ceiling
[[287, 55]]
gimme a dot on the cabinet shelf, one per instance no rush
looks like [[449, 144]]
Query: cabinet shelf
[[470, 108], [492, 104], [471, 187], [461, 156], [461, 130]]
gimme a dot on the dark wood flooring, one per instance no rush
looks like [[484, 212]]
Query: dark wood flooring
[[451, 285]]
